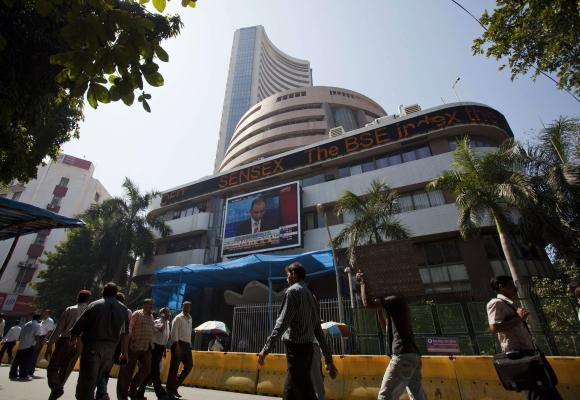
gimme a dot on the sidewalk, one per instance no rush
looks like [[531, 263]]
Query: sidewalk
[[37, 389]]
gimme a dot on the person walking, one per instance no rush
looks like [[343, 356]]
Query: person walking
[[181, 328], [104, 379], [215, 344], [46, 328], [160, 339], [101, 326], [404, 369], [29, 338], [63, 359], [299, 324], [509, 322], [9, 341], [140, 345]]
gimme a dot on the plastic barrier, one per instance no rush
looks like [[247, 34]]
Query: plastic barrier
[[208, 369], [568, 372], [362, 376], [478, 380], [240, 373], [271, 375], [439, 378]]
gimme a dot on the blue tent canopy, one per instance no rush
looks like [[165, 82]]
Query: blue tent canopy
[[261, 267], [17, 219]]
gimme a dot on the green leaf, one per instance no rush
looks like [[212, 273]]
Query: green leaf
[[161, 54], [149, 68], [101, 92], [143, 1], [184, 3], [114, 93], [92, 98], [146, 96], [128, 98], [159, 5], [2, 43], [192, 3], [43, 7], [154, 79], [146, 106]]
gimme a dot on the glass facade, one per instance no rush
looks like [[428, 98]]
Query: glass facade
[[242, 82]]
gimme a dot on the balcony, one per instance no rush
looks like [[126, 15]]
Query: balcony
[[60, 191], [194, 256], [53, 207], [192, 223], [35, 250]]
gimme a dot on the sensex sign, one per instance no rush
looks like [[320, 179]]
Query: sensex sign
[[400, 129]]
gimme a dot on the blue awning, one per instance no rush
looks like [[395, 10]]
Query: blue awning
[[260, 267], [18, 218]]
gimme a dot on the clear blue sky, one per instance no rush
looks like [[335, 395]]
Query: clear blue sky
[[395, 52]]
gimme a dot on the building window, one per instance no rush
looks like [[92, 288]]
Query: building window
[[313, 180], [40, 239], [20, 287], [16, 196], [55, 201], [344, 116], [441, 267], [64, 182], [310, 220], [420, 199], [355, 169], [97, 197], [368, 165], [343, 172], [184, 244]]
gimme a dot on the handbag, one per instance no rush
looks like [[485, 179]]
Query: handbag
[[524, 369]]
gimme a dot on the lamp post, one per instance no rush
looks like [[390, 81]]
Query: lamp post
[[320, 210]]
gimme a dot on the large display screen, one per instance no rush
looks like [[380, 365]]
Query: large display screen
[[265, 220]]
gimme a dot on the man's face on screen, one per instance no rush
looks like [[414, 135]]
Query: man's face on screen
[[258, 210]]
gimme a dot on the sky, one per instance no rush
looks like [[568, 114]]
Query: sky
[[395, 52]]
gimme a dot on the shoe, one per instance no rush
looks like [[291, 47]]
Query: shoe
[[25, 379], [55, 394], [174, 394]]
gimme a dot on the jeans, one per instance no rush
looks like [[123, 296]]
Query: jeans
[[61, 363], [102, 385], [7, 347], [21, 364], [35, 354], [155, 374], [298, 385], [96, 358], [173, 380], [127, 383], [404, 370], [316, 373]]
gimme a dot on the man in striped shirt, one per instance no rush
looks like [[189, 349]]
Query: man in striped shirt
[[298, 324]]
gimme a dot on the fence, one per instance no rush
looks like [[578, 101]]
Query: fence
[[555, 327]]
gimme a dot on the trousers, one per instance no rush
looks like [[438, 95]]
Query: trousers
[[404, 371], [61, 363], [298, 385], [96, 358], [173, 380]]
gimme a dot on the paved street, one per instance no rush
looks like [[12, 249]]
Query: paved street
[[38, 390]]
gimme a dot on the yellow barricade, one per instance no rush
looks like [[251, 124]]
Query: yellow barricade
[[208, 369], [362, 376], [334, 388], [271, 375], [568, 371], [438, 378], [240, 373], [477, 379]]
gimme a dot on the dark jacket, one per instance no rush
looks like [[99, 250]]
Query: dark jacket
[[268, 222]]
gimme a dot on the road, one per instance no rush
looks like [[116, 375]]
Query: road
[[37, 389]]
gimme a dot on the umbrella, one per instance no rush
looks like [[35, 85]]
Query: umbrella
[[336, 328], [213, 327]]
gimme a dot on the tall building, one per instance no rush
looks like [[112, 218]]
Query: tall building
[[258, 69], [65, 186]]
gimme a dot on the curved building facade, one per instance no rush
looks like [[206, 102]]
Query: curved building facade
[[258, 69], [294, 118]]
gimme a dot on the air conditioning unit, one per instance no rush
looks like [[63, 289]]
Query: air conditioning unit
[[413, 108], [334, 132]]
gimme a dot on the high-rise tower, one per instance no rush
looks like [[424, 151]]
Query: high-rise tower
[[257, 70]]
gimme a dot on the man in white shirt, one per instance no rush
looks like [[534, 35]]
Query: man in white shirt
[[46, 328], [9, 341], [181, 328], [29, 338], [2, 325]]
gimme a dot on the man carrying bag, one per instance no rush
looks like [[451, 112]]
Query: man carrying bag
[[521, 366]]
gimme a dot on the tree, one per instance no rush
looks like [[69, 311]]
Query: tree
[[553, 164], [374, 218], [541, 36], [54, 52], [487, 185], [116, 232]]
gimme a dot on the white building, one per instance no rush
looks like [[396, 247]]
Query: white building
[[66, 187]]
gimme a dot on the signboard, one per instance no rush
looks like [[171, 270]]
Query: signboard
[[400, 129], [9, 302], [264, 220], [443, 344], [390, 268]]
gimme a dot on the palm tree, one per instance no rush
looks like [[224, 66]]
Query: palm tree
[[485, 185], [125, 233], [553, 165], [374, 218]]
